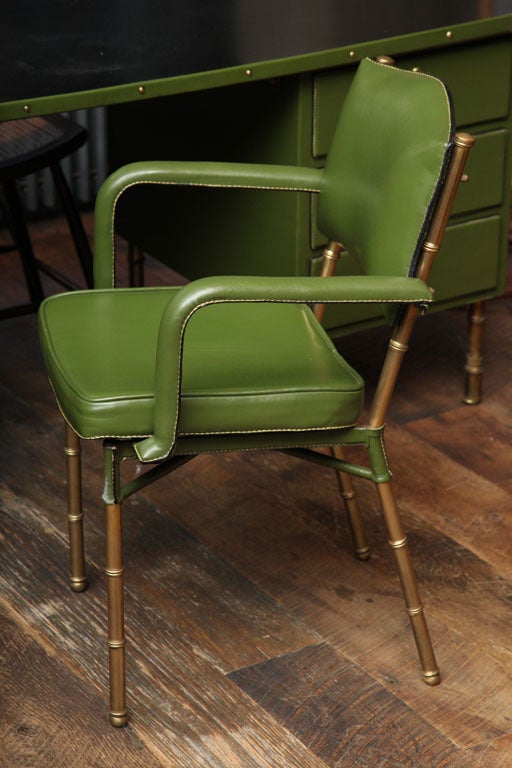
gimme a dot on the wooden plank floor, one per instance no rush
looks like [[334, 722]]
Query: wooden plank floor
[[255, 638]]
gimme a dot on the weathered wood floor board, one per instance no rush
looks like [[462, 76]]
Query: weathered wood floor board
[[255, 638]]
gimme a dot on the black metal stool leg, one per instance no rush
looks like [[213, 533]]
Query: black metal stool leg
[[19, 232], [76, 226]]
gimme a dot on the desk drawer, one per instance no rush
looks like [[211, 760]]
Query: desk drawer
[[477, 75], [486, 171], [468, 262]]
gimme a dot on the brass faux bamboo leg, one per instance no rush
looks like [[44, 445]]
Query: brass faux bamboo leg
[[116, 643], [355, 521], [398, 541], [75, 514], [474, 367], [330, 258]]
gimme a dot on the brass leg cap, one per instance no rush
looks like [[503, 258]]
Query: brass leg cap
[[118, 719], [468, 400], [78, 584], [363, 554], [432, 678]]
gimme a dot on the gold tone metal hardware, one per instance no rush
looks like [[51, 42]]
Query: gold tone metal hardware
[[412, 599], [464, 140], [363, 553], [142, 89], [352, 54], [114, 572], [449, 34], [431, 247], [116, 643], [416, 69], [398, 346], [26, 108], [118, 719], [330, 257], [400, 544], [355, 520], [386, 60], [249, 72], [75, 514], [464, 178], [432, 678], [115, 608]]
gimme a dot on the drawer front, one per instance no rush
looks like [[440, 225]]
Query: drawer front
[[486, 171], [469, 261], [478, 77]]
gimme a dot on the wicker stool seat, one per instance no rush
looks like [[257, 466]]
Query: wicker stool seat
[[28, 146]]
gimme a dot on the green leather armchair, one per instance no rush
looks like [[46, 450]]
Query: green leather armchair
[[242, 363]]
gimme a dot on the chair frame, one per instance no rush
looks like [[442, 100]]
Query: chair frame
[[370, 435]]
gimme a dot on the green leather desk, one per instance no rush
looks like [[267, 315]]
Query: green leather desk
[[263, 82]]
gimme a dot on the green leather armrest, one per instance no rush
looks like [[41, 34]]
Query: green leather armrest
[[204, 174], [212, 290]]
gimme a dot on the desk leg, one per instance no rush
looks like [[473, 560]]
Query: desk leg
[[135, 266], [474, 360]]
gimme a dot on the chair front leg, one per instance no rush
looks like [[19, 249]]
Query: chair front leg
[[116, 642], [75, 513], [398, 542]]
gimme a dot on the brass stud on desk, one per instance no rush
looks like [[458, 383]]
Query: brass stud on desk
[[142, 89], [386, 60]]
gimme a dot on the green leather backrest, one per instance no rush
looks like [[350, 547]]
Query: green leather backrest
[[386, 162]]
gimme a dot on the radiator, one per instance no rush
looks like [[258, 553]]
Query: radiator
[[85, 169]]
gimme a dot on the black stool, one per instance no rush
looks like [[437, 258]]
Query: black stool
[[27, 146]]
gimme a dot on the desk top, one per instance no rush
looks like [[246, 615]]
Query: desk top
[[86, 46]]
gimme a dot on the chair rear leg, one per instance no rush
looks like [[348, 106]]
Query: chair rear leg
[[75, 513], [398, 541], [355, 520], [116, 642]]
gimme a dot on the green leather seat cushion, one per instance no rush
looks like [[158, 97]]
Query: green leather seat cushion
[[246, 367]]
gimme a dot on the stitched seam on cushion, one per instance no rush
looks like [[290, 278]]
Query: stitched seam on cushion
[[381, 439], [264, 431], [265, 393], [93, 437]]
